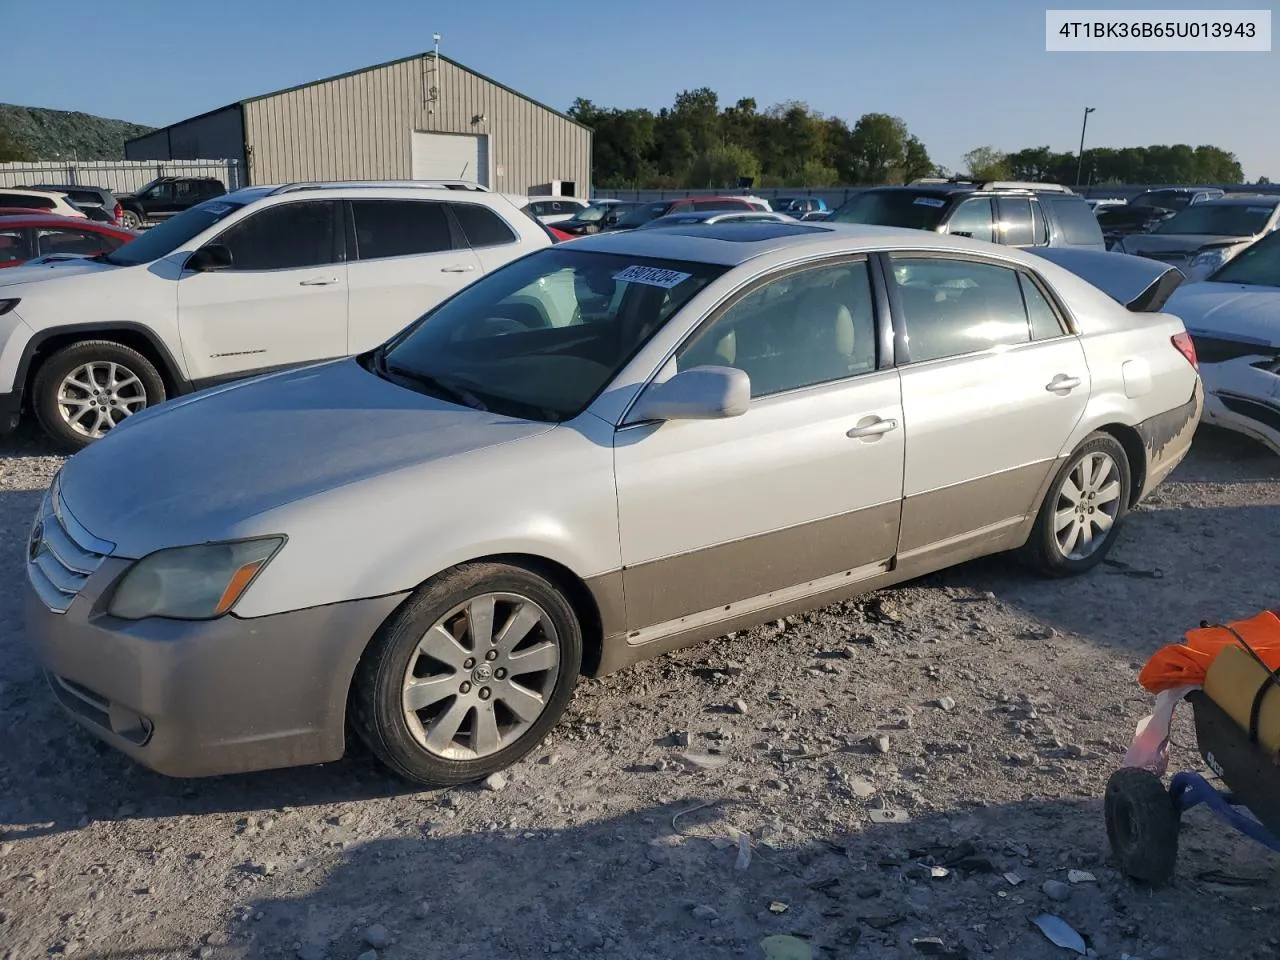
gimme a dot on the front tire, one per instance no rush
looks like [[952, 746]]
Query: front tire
[[1081, 514], [469, 675], [84, 390]]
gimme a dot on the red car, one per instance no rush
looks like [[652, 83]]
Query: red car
[[27, 234]]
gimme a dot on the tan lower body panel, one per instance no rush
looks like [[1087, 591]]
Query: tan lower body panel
[[955, 541], [664, 590]]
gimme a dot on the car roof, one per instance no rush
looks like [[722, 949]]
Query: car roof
[[28, 192], [732, 244], [1258, 200], [38, 218]]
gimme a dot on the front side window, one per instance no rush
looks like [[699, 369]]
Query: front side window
[[1220, 219], [973, 218], [160, 191], [13, 246], [540, 337], [953, 307], [282, 237], [399, 228], [805, 328], [1257, 265], [481, 226]]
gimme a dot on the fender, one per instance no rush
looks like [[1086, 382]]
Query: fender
[[171, 369]]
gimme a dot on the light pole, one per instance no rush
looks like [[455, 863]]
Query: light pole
[[1080, 161]]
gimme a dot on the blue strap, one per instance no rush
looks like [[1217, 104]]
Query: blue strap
[[1190, 790]]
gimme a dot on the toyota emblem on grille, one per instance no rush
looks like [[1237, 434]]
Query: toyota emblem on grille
[[37, 537]]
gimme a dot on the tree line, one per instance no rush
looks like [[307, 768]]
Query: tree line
[[697, 143]]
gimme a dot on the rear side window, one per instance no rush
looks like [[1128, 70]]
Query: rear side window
[[282, 237], [399, 228], [1045, 324], [26, 202], [954, 307], [1016, 229], [481, 226], [1079, 225]]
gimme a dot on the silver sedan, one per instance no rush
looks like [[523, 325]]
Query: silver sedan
[[602, 451]]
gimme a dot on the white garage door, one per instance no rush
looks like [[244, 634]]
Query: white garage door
[[451, 156]]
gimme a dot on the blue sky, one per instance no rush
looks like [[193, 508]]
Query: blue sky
[[962, 73]]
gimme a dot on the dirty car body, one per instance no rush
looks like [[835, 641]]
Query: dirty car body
[[616, 447], [1234, 319]]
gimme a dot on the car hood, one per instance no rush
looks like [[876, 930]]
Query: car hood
[[55, 270], [1230, 311], [1148, 243], [199, 468]]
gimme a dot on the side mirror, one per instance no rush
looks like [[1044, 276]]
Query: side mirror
[[700, 393], [210, 257]]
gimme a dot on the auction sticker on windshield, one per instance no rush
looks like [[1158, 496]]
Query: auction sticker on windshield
[[218, 207], [930, 202], [653, 276]]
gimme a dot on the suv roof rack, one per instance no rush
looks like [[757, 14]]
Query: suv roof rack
[[989, 184], [378, 184]]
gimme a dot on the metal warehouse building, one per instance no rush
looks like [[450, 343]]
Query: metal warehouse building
[[424, 117]]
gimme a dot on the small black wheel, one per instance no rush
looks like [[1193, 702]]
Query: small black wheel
[[469, 675], [84, 390], [1142, 824], [130, 220], [1081, 514]]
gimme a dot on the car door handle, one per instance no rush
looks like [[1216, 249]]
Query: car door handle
[[875, 429], [317, 282], [458, 268], [1062, 382]]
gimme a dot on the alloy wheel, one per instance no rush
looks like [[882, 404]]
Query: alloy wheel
[[96, 396], [1087, 506], [481, 676]]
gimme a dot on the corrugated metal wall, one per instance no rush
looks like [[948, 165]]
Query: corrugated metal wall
[[359, 127], [218, 134], [154, 146]]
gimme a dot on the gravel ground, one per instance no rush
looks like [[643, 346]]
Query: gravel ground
[[982, 708]]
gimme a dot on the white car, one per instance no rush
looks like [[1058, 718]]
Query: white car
[[603, 451], [556, 209], [256, 280], [46, 201], [1233, 317]]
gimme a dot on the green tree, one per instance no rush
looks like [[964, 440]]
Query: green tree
[[9, 149], [987, 163], [722, 165], [878, 149]]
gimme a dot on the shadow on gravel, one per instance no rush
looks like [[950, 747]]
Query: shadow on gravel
[[662, 883]]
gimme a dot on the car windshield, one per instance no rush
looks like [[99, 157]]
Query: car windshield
[[173, 233], [1219, 219], [542, 336], [642, 213], [593, 213], [893, 208], [1256, 265]]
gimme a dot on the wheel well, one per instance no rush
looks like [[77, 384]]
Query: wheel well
[[132, 339], [1136, 454], [575, 591]]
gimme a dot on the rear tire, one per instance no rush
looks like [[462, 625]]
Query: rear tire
[[130, 220], [469, 675], [1142, 825], [1082, 512], [84, 390]]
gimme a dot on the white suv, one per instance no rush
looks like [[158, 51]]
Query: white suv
[[256, 280]]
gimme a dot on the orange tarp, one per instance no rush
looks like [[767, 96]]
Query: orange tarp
[[1180, 664]]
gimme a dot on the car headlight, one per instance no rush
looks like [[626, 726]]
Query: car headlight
[[1209, 259], [192, 583]]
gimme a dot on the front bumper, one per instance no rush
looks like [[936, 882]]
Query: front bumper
[[1244, 396], [192, 699]]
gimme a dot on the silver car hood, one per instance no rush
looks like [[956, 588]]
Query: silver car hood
[[189, 471], [1229, 311]]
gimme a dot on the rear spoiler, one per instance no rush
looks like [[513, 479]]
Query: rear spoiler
[[1136, 283]]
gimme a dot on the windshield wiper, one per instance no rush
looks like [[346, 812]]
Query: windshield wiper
[[449, 390]]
